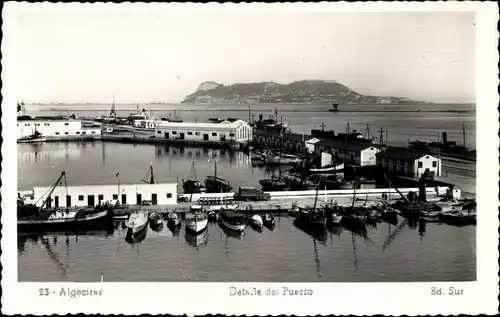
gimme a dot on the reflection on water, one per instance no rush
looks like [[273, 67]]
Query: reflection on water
[[335, 254], [196, 240], [32, 153], [317, 233], [231, 233]]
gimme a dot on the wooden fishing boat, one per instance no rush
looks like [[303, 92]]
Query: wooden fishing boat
[[429, 216], [156, 219], [173, 219], [193, 186], [196, 219], [281, 158], [256, 221], [136, 224], [214, 184], [268, 221], [459, 218], [232, 220], [66, 220], [328, 169]]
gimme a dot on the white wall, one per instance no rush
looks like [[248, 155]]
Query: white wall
[[427, 163], [411, 167], [57, 128], [237, 131], [48, 127], [368, 156], [147, 124], [166, 193], [326, 159]]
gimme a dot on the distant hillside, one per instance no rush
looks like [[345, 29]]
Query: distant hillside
[[304, 91]]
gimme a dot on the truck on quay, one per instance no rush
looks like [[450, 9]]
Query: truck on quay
[[251, 193]]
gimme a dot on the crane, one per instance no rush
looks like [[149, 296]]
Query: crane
[[51, 190]]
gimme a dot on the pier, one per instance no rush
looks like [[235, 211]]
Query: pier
[[282, 201]]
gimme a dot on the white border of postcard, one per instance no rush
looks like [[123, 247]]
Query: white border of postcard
[[327, 298]]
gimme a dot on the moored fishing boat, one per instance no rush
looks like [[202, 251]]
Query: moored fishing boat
[[429, 216], [213, 215], [274, 184], [66, 219], [136, 224], [232, 220], [173, 219], [33, 138], [256, 220], [155, 219], [268, 220], [214, 184], [196, 219], [328, 169], [193, 186], [282, 159], [459, 218]]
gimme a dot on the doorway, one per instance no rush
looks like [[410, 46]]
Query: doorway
[[167, 135], [56, 201], [181, 135], [68, 201], [124, 199], [139, 199], [91, 201], [205, 137], [154, 199]]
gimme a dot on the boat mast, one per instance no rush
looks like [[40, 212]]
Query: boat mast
[[463, 133], [215, 169], [112, 113], [194, 172], [152, 181], [354, 193]]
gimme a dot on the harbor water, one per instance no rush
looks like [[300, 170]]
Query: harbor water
[[386, 253], [403, 123]]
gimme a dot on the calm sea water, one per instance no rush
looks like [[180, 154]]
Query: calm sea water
[[402, 252], [388, 253], [402, 122]]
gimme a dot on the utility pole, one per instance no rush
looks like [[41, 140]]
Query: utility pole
[[322, 126], [381, 139]]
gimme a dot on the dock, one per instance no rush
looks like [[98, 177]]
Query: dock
[[281, 202]]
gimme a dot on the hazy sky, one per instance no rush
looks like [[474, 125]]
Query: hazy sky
[[72, 55]]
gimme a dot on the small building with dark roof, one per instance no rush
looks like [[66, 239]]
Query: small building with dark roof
[[355, 153], [409, 162]]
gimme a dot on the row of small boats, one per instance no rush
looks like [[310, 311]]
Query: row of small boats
[[457, 214], [196, 221]]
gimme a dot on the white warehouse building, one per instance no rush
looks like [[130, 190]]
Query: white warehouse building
[[92, 195], [238, 131], [54, 128], [410, 163]]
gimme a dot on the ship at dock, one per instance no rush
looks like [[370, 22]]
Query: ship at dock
[[445, 147], [45, 218]]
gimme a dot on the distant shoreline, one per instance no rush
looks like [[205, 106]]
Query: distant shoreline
[[300, 110], [243, 105]]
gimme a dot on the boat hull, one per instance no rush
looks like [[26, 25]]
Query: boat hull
[[197, 226], [234, 227], [256, 222], [136, 224], [99, 220], [31, 140], [275, 159], [174, 222]]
